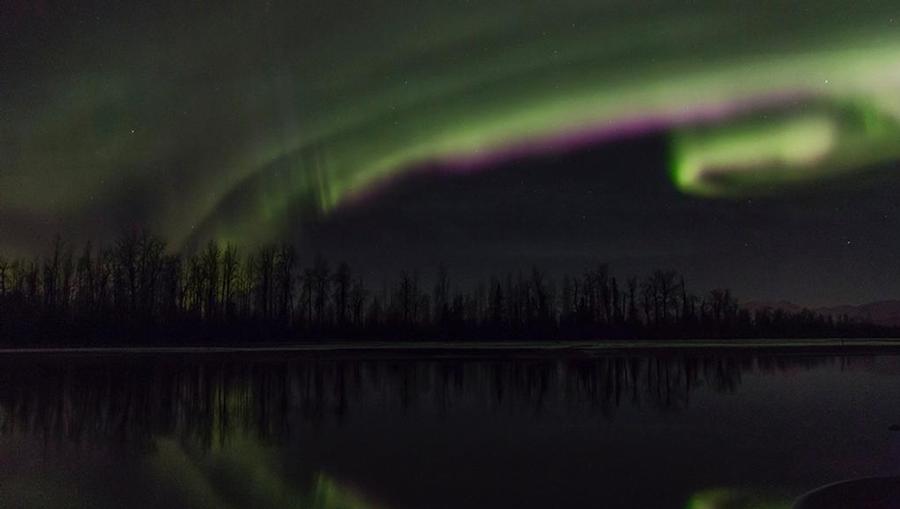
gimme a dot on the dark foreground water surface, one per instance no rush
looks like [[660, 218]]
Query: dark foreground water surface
[[673, 429]]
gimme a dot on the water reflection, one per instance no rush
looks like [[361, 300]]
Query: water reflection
[[298, 430], [207, 401]]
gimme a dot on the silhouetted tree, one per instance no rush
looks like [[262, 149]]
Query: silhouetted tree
[[230, 279], [284, 268], [341, 280], [134, 290], [358, 296], [321, 289]]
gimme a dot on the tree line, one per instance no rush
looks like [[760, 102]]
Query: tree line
[[135, 290]]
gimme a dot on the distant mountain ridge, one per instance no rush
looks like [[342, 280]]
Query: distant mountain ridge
[[885, 312]]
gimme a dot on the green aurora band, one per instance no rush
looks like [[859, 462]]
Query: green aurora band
[[236, 125]]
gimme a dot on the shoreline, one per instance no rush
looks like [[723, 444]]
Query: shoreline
[[485, 347]]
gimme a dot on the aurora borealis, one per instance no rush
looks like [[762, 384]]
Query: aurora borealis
[[242, 123]]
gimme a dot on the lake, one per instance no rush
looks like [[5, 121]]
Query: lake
[[688, 428]]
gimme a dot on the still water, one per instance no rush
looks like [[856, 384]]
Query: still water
[[667, 429]]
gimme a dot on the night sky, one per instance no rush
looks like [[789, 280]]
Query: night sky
[[748, 144]]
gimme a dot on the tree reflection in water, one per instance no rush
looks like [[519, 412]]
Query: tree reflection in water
[[205, 401], [215, 430]]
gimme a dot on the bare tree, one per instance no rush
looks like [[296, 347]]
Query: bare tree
[[342, 279], [358, 295], [321, 287], [230, 269], [284, 268], [265, 285], [209, 261], [441, 295]]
